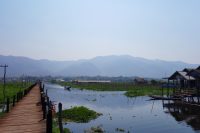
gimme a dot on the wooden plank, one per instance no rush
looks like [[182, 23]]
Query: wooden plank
[[26, 116]]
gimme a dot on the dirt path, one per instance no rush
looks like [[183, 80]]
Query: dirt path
[[26, 116]]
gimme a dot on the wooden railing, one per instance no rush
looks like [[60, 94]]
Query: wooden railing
[[47, 108], [60, 117]]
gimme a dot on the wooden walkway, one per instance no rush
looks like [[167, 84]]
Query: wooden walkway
[[26, 116]]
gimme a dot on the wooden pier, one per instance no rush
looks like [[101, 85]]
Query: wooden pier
[[26, 116]]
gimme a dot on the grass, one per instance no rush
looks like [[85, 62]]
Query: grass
[[79, 114], [146, 92], [12, 88], [131, 89], [115, 86]]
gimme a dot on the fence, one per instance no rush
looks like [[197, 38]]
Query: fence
[[48, 108]]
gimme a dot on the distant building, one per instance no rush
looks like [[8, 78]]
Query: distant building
[[139, 80], [91, 81], [60, 80]]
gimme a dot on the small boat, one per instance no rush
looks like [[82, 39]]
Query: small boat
[[68, 88], [155, 97]]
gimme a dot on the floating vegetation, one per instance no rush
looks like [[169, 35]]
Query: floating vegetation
[[114, 86], [102, 96], [145, 92], [79, 114], [97, 129], [94, 100], [133, 90], [56, 128], [119, 130]]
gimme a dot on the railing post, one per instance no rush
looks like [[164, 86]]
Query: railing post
[[25, 92], [13, 100], [43, 107], [18, 97], [49, 121], [7, 105], [46, 92], [60, 117], [47, 101]]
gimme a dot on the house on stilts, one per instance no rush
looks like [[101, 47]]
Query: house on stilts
[[186, 84]]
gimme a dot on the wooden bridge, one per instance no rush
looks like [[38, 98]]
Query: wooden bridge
[[26, 116]]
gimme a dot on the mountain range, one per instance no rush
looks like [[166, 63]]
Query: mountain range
[[112, 66]]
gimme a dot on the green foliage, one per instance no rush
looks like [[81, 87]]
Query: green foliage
[[153, 82], [97, 129], [146, 91], [113, 86], [132, 89], [56, 128], [79, 114], [12, 88]]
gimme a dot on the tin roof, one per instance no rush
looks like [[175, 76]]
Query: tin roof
[[181, 75]]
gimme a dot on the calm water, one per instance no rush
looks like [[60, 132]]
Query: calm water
[[136, 115]]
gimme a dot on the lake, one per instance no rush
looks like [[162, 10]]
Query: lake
[[134, 115]]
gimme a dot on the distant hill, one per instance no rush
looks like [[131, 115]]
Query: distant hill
[[102, 65]]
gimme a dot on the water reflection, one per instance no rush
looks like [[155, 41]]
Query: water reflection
[[183, 112], [134, 115]]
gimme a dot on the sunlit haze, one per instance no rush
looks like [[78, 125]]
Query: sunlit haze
[[82, 29]]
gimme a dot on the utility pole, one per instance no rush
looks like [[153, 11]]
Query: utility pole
[[4, 80]]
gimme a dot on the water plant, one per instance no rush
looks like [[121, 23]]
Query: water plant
[[145, 92], [131, 89], [79, 114], [97, 129], [119, 130], [56, 128]]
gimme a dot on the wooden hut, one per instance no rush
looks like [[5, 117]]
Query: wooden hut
[[181, 80], [187, 70], [198, 68], [139, 80], [196, 74]]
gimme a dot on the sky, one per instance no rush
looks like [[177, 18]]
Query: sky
[[82, 29]]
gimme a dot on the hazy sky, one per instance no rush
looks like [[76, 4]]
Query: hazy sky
[[77, 29]]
